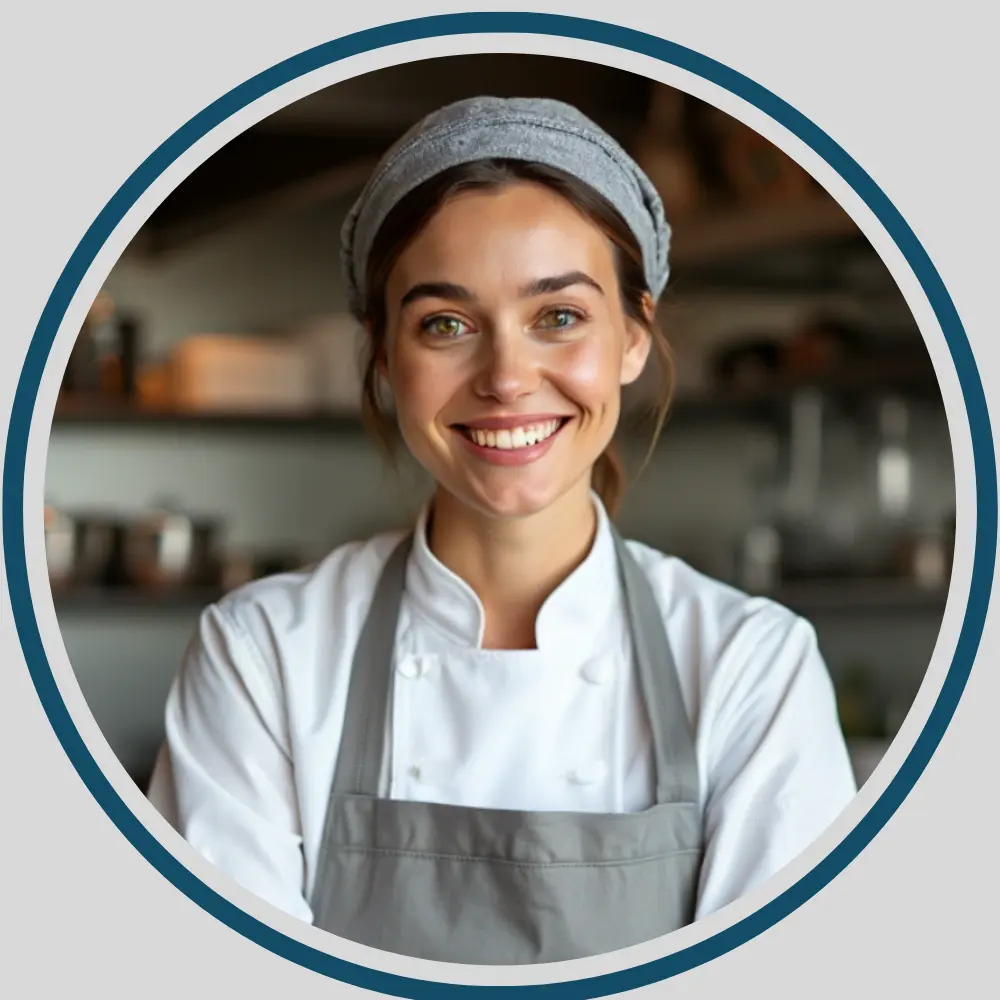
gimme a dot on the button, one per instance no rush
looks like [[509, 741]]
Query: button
[[596, 671], [415, 772], [415, 667], [589, 774]]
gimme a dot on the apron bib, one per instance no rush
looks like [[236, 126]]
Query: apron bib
[[504, 887]]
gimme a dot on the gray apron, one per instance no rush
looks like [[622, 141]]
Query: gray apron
[[495, 886]]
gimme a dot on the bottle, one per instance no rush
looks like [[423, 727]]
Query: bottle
[[894, 463], [760, 552]]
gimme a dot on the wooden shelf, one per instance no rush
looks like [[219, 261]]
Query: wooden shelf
[[917, 380], [805, 597], [133, 599], [731, 232], [86, 413], [813, 596]]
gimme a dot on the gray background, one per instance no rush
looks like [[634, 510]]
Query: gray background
[[884, 924]]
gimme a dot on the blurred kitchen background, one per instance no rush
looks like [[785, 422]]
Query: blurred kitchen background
[[208, 431]]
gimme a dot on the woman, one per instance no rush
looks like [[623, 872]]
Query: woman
[[508, 736]]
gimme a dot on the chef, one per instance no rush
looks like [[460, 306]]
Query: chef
[[507, 735]]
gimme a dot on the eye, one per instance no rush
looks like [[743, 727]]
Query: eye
[[560, 319], [445, 327]]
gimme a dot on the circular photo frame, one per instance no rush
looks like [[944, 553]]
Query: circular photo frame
[[629, 41]]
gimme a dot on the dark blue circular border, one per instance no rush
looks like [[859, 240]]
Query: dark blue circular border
[[477, 23]]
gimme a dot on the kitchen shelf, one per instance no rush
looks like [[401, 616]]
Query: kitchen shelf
[[875, 595], [805, 597], [734, 231], [85, 413], [916, 381], [89, 599]]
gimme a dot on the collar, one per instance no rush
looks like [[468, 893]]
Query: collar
[[574, 618]]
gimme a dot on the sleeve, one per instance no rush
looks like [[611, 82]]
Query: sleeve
[[226, 774], [778, 768]]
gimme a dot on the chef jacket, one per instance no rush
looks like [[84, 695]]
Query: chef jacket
[[254, 717]]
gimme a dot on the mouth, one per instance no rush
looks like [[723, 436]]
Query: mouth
[[513, 444], [513, 438]]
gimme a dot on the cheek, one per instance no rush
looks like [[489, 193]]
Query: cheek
[[589, 371], [422, 382]]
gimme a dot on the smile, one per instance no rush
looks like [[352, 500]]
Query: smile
[[505, 441], [511, 438]]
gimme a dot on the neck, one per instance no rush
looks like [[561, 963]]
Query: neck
[[513, 564]]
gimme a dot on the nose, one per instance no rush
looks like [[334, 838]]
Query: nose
[[508, 367]]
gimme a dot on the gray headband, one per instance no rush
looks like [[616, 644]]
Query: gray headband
[[535, 129]]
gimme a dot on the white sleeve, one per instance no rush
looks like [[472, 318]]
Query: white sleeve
[[778, 770], [229, 768]]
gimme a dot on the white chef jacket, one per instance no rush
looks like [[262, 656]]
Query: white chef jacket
[[254, 717]]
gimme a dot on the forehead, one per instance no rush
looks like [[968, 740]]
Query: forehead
[[518, 231]]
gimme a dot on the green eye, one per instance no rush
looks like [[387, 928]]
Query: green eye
[[443, 326], [560, 319]]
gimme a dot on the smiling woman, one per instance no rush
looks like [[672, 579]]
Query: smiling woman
[[507, 736], [578, 314]]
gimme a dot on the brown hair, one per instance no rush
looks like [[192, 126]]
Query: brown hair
[[413, 212]]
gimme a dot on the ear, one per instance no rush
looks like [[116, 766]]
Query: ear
[[638, 342]]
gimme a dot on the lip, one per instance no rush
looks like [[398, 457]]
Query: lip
[[514, 420], [511, 456]]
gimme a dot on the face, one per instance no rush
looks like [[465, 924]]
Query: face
[[507, 346]]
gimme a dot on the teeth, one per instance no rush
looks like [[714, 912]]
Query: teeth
[[516, 437]]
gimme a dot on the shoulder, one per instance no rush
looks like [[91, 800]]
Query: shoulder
[[277, 647], [754, 677], [331, 594], [728, 637], [680, 589]]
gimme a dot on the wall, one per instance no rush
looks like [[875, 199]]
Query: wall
[[264, 273]]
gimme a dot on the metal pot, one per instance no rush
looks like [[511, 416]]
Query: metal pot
[[83, 549], [99, 544], [60, 546], [166, 548]]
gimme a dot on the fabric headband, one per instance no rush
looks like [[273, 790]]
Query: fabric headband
[[541, 130]]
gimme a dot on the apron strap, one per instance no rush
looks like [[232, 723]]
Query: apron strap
[[359, 761], [673, 742]]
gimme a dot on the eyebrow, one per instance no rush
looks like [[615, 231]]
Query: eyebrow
[[541, 286], [436, 290], [557, 283]]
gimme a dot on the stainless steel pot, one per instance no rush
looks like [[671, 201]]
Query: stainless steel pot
[[83, 550], [60, 546], [167, 548]]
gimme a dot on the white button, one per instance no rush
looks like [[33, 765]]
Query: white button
[[596, 671], [589, 774], [415, 667]]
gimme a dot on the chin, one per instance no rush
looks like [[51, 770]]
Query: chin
[[513, 500], [512, 508]]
